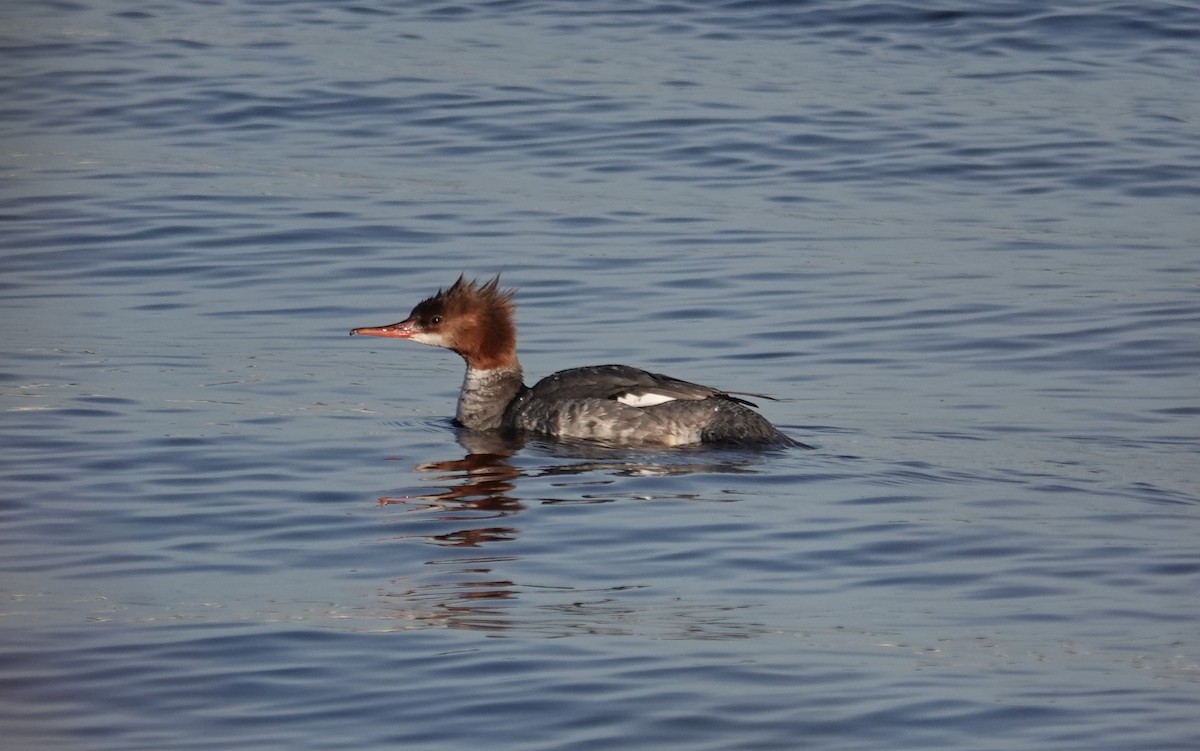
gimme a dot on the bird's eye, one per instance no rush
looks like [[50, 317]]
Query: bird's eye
[[435, 320]]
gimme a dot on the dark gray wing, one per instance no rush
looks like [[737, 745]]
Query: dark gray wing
[[632, 386]]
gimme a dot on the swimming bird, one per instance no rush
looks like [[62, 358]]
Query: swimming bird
[[614, 404]]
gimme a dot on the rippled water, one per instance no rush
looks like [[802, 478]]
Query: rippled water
[[960, 244]]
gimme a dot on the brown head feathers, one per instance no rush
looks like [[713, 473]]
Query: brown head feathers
[[478, 318]]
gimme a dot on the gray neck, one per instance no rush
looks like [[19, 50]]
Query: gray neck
[[486, 394]]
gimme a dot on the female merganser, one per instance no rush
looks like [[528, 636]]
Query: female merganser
[[610, 403]]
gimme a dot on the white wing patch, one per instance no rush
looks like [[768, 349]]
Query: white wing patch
[[644, 399]]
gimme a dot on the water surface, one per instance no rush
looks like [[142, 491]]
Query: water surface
[[959, 245]]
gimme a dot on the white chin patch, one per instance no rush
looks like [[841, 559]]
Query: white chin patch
[[433, 340], [648, 399]]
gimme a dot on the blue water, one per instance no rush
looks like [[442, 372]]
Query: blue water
[[960, 243]]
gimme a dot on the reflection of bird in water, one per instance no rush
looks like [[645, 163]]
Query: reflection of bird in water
[[467, 585], [484, 480], [481, 483]]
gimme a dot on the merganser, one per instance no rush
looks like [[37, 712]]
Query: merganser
[[615, 404]]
